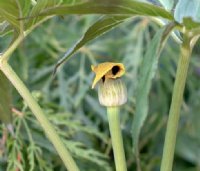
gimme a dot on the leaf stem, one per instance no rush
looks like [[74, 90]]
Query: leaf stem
[[177, 98], [10, 50], [116, 136], [37, 111]]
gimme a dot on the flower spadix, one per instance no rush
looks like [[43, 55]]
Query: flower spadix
[[111, 89]]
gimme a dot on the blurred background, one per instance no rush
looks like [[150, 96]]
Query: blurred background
[[73, 107]]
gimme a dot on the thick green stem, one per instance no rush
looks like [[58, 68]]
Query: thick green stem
[[49, 130], [174, 113], [116, 136]]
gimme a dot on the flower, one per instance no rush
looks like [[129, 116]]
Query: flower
[[111, 90], [107, 70]]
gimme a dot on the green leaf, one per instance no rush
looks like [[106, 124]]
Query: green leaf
[[98, 28], [5, 100], [168, 4], [1, 19], [110, 7], [40, 5], [147, 72], [25, 5], [9, 11], [52, 3], [188, 13]]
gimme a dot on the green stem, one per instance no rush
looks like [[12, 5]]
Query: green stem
[[177, 98], [37, 111], [116, 136], [12, 47], [5, 57]]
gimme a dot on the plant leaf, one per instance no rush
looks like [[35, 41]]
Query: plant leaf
[[9, 11], [40, 5], [168, 4], [25, 5], [98, 28], [148, 69], [188, 13], [123, 7]]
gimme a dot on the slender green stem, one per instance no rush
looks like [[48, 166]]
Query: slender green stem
[[11, 49], [177, 98], [37, 111], [5, 57], [116, 136]]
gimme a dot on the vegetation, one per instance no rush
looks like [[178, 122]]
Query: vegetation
[[51, 118]]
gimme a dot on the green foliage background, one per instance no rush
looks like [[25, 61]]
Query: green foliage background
[[73, 107]]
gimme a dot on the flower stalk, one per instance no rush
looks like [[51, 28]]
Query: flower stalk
[[177, 98], [116, 136], [112, 94]]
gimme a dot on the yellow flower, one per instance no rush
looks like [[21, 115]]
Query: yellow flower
[[107, 70], [111, 90]]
